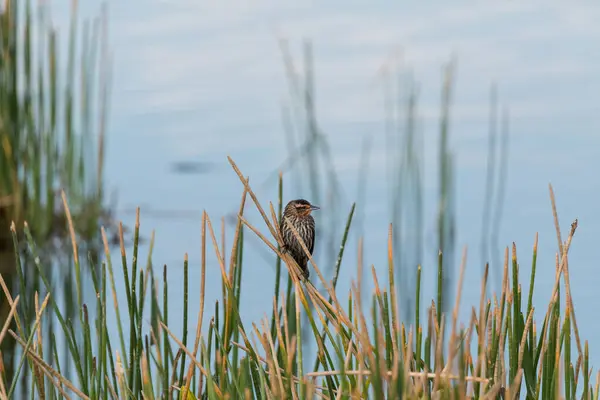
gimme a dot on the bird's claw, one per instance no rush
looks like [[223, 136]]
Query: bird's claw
[[305, 273]]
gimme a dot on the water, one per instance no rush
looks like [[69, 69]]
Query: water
[[197, 82]]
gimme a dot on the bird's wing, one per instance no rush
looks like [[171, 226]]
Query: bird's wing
[[282, 227], [311, 241]]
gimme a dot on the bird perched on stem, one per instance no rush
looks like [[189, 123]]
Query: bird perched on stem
[[298, 213]]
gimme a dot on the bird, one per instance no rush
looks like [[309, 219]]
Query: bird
[[298, 212]]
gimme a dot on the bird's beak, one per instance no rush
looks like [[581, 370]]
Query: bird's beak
[[313, 208]]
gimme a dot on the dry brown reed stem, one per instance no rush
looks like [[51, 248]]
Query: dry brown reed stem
[[11, 313], [403, 346], [3, 394], [298, 292], [278, 332], [377, 289], [359, 265], [271, 348], [173, 373], [223, 243], [249, 346], [569, 299], [394, 311], [472, 327], [363, 332], [120, 372], [489, 327], [272, 369], [435, 327], [145, 371], [218, 254], [334, 318], [561, 266], [515, 385], [186, 350], [233, 260], [37, 344], [122, 240], [9, 296], [378, 335], [500, 362], [253, 196], [557, 363], [577, 366], [224, 278], [38, 347], [289, 348], [110, 387], [238, 228], [284, 343], [71, 228], [360, 357], [45, 367], [555, 216], [407, 361], [483, 373], [439, 343], [346, 364], [504, 291], [492, 394], [275, 222], [154, 339], [451, 348], [261, 236], [58, 385], [201, 306], [396, 367], [524, 337], [107, 254]]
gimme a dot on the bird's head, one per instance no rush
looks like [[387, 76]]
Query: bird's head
[[300, 207]]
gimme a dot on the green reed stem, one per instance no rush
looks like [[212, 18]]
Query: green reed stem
[[417, 328], [278, 262], [165, 318], [185, 315], [133, 357], [440, 287]]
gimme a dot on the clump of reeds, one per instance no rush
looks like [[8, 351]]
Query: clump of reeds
[[53, 114], [502, 351], [48, 133]]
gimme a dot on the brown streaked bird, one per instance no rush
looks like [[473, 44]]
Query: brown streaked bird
[[298, 213]]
